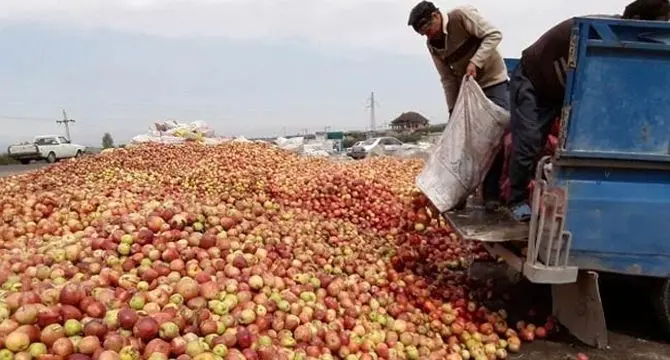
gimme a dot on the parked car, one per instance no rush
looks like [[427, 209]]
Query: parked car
[[387, 144], [349, 149], [47, 147]]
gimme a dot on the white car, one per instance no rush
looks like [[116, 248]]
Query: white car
[[348, 150], [388, 144], [47, 147]]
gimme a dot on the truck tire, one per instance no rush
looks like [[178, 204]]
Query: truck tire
[[661, 299], [51, 158], [24, 162], [78, 154]]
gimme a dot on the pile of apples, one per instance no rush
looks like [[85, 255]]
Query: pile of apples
[[235, 251]]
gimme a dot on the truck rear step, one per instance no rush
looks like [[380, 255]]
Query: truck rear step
[[474, 223], [548, 244]]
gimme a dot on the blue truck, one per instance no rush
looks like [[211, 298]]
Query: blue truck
[[604, 205]]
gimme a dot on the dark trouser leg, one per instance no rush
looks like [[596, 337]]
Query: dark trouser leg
[[530, 125], [499, 95], [491, 185]]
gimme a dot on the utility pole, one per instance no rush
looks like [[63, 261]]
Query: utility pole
[[66, 121], [371, 105]]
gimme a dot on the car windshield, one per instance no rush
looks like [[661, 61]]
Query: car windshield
[[369, 141]]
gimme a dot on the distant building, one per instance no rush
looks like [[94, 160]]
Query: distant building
[[409, 121]]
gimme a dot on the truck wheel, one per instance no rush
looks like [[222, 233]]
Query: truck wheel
[[662, 303], [51, 158], [25, 162]]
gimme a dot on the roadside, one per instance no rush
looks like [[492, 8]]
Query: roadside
[[9, 170]]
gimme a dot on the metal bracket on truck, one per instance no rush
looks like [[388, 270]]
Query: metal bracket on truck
[[548, 243], [576, 295]]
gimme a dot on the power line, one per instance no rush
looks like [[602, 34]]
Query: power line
[[66, 122], [371, 105]]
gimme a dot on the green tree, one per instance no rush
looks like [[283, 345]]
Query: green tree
[[409, 138], [107, 141]]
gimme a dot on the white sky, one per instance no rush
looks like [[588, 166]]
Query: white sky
[[369, 28], [367, 23]]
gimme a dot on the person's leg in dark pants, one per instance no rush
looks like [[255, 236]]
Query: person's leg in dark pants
[[499, 95], [530, 126], [491, 184]]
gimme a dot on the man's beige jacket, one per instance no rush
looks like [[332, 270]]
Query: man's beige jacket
[[464, 26]]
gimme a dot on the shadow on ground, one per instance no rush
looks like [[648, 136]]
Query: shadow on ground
[[634, 334]]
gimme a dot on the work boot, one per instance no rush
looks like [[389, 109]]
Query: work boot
[[521, 212]]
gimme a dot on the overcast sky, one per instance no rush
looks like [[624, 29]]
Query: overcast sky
[[254, 68]]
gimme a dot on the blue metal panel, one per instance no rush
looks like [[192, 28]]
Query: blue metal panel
[[619, 218], [511, 64], [618, 110], [618, 92]]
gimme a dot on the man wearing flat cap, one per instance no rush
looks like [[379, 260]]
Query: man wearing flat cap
[[462, 42]]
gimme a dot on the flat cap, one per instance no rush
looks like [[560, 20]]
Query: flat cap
[[420, 14]]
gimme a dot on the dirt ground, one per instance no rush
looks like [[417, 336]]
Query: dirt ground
[[634, 330], [622, 347]]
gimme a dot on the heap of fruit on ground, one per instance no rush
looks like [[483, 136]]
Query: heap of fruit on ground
[[236, 251]]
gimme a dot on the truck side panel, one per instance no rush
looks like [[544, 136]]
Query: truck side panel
[[614, 153], [618, 95], [511, 64], [619, 221]]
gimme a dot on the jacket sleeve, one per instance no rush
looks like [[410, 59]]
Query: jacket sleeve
[[448, 81], [476, 25]]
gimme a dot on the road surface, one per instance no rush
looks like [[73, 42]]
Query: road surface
[[8, 170]]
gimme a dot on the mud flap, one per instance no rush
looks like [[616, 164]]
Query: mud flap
[[661, 301], [579, 308]]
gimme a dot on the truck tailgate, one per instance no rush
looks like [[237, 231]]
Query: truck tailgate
[[476, 224], [23, 149]]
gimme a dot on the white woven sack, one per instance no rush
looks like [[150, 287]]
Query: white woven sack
[[466, 148]]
